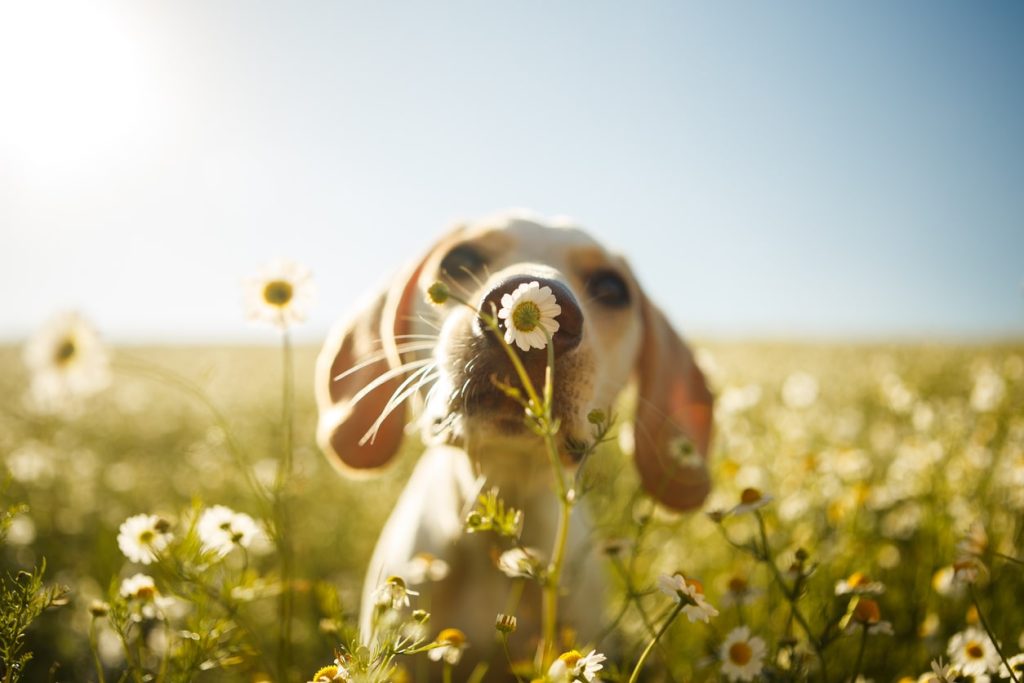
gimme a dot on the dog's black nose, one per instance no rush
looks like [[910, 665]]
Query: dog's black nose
[[570, 318]]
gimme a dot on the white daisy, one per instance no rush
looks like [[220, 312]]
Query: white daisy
[[393, 593], [281, 294], [451, 642], [738, 591], [425, 567], [529, 312], [750, 499], [521, 563], [142, 537], [571, 665], [67, 362], [690, 593], [858, 583], [141, 591], [221, 529], [1016, 665], [972, 652], [742, 655]]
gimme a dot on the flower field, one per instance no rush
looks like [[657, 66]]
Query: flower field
[[867, 521]]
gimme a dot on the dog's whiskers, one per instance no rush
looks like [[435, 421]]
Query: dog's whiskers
[[385, 377], [403, 392], [382, 355]]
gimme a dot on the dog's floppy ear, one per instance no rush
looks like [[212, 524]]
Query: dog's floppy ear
[[347, 410], [673, 416]]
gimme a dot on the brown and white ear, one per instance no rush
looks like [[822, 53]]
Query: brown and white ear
[[673, 416], [351, 397]]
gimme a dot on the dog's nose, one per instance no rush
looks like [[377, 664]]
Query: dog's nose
[[570, 319]]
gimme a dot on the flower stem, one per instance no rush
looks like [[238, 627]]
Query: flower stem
[[282, 511], [860, 652], [635, 676], [95, 651], [991, 636], [508, 656], [791, 596]]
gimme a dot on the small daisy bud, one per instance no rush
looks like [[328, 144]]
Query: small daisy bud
[[474, 520], [421, 616], [438, 293], [596, 417], [801, 555], [505, 623], [98, 608]]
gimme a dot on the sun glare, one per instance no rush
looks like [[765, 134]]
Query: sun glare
[[73, 77]]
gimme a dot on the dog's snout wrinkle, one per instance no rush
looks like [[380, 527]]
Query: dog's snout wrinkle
[[570, 320]]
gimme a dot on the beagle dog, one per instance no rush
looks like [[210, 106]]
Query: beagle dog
[[400, 350]]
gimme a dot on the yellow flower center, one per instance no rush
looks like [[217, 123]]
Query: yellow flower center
[[570, 658], [145, 593], [526, 316], [327, 673], [397, 581], [696, 585], [278, 293], [64, 352], [452, 636], [740, 653], [750, 495], [857, 579], [146, 537], [974, 650]]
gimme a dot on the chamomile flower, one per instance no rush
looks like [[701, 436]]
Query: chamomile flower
[[972, 652], [690, 593], [140, 590], [867, 615], [282, 294], [858, 583], [742, 654], [425, 567], [393, 593], [572, 665], [529, 312], [520, 563], [67, 363], [750, 499], [450, 644], [738, 591], [221, 529], [333, 673], [142, 537], [1016, 666]]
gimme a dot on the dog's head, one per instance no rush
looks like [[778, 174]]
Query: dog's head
[[399, 347]]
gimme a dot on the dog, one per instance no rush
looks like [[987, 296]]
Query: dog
[[399, 348]]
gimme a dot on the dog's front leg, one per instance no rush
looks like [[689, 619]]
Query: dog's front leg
[[428, 518]]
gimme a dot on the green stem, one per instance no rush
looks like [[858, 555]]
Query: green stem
[[283, 512], [95, 651], [447, 673], [635, 676], [860, 652], [790, 596], [508, 656], [991, 636]]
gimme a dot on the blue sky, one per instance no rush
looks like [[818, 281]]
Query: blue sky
[[777, 169]]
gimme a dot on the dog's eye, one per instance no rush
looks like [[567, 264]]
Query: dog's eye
[[461, 261], [608, 289]]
